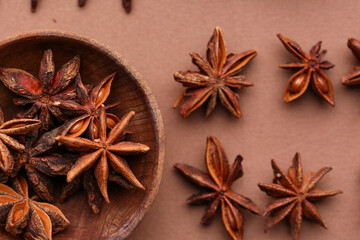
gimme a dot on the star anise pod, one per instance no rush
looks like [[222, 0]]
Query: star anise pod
[[22, 215], [310, 66], [12, 128], [88, 109], [218, 78], [105, 151], [296, 193], [218, 185], [51, 89], [353, 78], [41, 162]]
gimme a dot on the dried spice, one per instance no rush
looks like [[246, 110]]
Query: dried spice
[[81, 3], [41, 162], [12, 128], [33, 5], [22, 215], [353, 78], [310, 66], [88, 109], [104, 151], [296, 193], [218, 78], [218, 184], [45, 94], [126, 4]]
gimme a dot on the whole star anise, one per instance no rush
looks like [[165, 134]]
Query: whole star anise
[[353, 78], [41, 162], [218, 184], [42, 94], [105, 151], [310, 72], [12, 128], [296, 193], [22, 215], [218, 78], [88, 109]]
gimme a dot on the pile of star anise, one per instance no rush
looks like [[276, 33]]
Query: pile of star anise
[[64, 130]]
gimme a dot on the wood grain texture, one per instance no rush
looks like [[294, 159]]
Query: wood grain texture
[[127, 208]]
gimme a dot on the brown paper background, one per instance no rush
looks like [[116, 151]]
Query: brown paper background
[[156, 39]]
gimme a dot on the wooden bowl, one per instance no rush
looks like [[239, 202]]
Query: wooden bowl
[[127, 208]]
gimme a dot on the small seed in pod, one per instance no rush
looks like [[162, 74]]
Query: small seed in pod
[[231, 219], [100, 96], [297, 84], [110, 122], [322, 84], [76, 127], [95, 131]]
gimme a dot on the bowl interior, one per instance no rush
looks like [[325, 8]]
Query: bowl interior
[[127, 207]]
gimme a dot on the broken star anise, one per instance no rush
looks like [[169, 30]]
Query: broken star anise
[[51, 87], [296, 193], [41, 162], [88, 109], [310, 66], [218, 183], [218, 78], [105, 151], [11, 128], [353, 78], [22, 215]]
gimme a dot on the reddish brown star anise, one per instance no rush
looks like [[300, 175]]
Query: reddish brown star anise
[[104, 151], [41, 162], [310, 72], [219, 181], [51, 89], [88, 109], [22, 215], [8, 129], [218, 78], [353, 78], [296, 193]]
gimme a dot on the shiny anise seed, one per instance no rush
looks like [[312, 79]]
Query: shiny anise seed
[[76, 127], [321, 84], [297, 84], [100, 96], [110, 122]]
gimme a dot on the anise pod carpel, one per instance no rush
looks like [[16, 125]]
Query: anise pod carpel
[[353, 78], [218, 78], [41, 162], [105, 153], [296, 194], [12, 128], [46, 94], [311, 66], [88, 109], [218, 183], [23, 215]]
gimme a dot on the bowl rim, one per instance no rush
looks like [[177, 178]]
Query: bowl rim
[[126, 229]]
